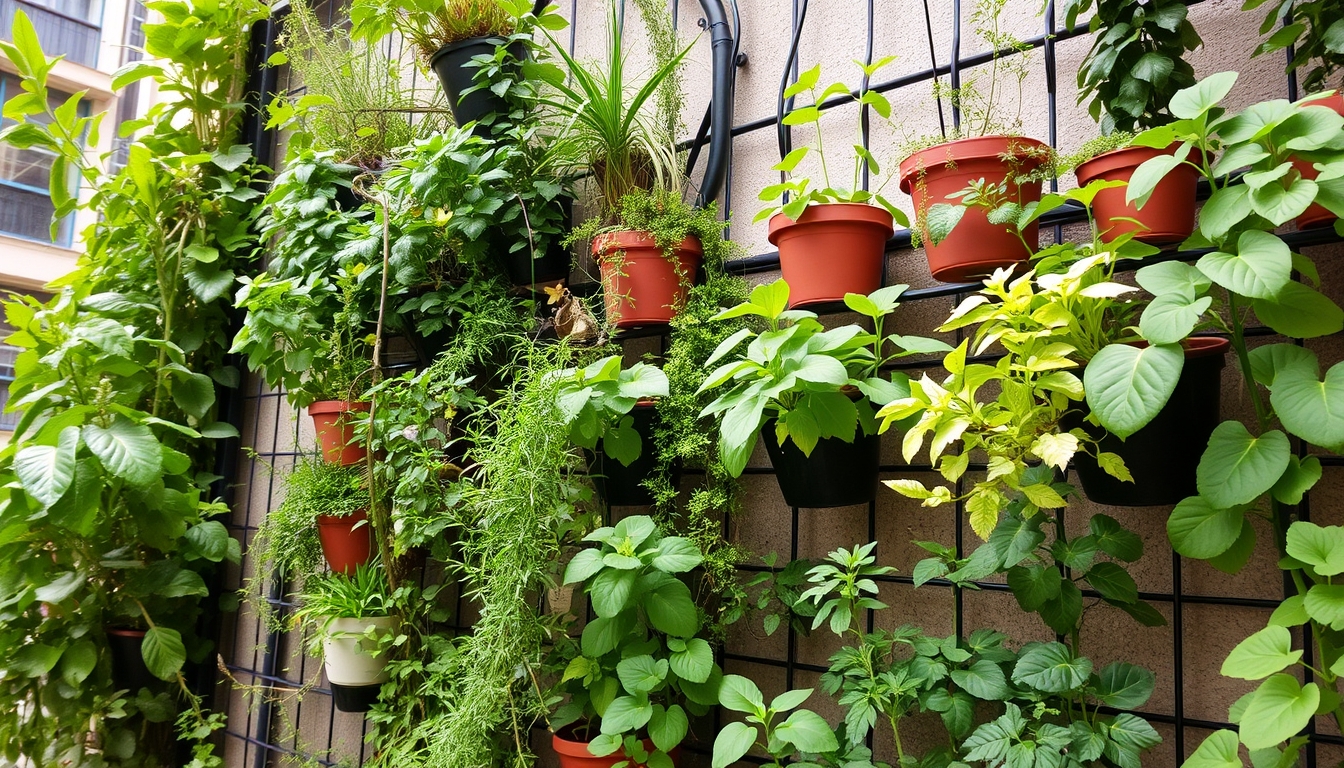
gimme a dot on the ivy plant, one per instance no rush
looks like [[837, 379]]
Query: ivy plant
[[596, 402], [803, 376], [642, 666]]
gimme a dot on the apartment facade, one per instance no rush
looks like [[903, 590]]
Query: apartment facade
[[96, 37]]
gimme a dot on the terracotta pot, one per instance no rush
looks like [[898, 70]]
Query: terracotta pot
[[129, 671], [575, 754], [640, 285], [975, 248], [1168, 216], [1163, 455], [344, 546], [1318, 215], [335, 432], [831, 250]]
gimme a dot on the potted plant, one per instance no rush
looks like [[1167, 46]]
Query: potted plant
[[323, 515], [642, 666], [1131, 72], [832, 241], [646, 238], [1311, 31], [809, 394], [614, 406], [984, 148], [354, 628]]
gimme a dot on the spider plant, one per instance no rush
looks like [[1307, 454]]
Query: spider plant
[[605, 124]]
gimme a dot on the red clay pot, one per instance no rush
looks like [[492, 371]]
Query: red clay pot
[[640, 285], [1318, 215], [344, 546], [831, 250], [1168, 216], [975, 248], [575, 754], [335, 432]]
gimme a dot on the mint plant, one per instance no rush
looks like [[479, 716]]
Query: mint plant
[[596, 402]]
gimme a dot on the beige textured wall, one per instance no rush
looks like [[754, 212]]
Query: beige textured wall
[[834, 35]]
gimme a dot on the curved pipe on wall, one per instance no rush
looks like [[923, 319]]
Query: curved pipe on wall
[[721, 103]]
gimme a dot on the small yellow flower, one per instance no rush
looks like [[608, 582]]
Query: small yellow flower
[[553, 295], [442, 216]]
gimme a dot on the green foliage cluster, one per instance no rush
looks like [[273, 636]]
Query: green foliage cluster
[[596, 401], [1314, 30], [286, 542], [109, 499]]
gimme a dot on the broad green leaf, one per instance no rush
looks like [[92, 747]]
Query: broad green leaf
[[1291, 612], [163, 652], [78, 662], [61, 587], [1127, 386], [641, 674], [1311, 409], [984, 680], [601, 636], [807, 732], [1113, 539], [584, 564], [1279, 710], [667, 727], [1134, 732], [669, 607], [790, 699], [610, 591], [46, 471], [1261, 266], [1235, 557], [733, 741], [1225, 208], [740, 695], [1279, 205], [1051, 668], [1171, 317], [1300, 312], [626, 714], [34, 659], [676, 555], [1034, 585], [1189, 103], [1319, 546], [1261, 655], [1198, 529], [1237, 467], [126, 449], [1113, 582], [1325, 604], [1123, 685], [1219, 750], [1173, 277], [1147, 176], [1300, 477], [1270, 361], [695, 663]]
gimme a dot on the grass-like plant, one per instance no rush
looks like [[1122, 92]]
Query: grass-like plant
[[287, 542], [430, 24], [365, 595]]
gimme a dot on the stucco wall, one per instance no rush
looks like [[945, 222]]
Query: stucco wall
[[835, 33]]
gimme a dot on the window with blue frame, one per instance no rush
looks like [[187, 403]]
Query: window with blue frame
[[7, 355], [25, 174]]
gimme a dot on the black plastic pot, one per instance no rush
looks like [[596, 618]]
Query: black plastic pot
[[554, 265], [129, 671], [622, 486], [837, 474], [452, 63], [355, 698], [1163, 456]]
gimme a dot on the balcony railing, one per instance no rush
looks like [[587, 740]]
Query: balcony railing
[[59, 32]]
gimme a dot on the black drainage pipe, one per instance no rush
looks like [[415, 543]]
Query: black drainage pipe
[[721, 105]]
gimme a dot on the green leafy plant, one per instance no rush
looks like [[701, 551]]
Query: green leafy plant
[[1315, 32], [1135, 64], [802, 731], [801, 374], [596, 402], [364, 595], [642, 664], [800, 192], [108, 488], [286, 542], [430, 24]]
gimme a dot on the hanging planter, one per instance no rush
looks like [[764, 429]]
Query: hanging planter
[[831, 250], [336, 432], [975, 248], [1167, 217], [1162, 456], [837, 474], [622, 486], [1318, 215], [354, 667], [641, 285], [347, 542], [452, 63], [575, 754], [129, 670]]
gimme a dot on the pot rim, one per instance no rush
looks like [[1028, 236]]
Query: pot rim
[[639, 238], [571, 748], [337, 406], [1194, 346], [357, 515], [857, 214], [910, 164], [1116, 158], [470, 41]]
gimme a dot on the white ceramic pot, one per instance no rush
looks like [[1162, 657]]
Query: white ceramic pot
[[350, 657]]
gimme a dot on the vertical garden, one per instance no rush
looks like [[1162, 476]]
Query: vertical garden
[[948, 458]]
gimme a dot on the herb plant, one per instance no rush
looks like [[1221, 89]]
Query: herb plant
[[800, 192], [596, 401], [642, 664], [286, 542], [802, 731], [800, 374]]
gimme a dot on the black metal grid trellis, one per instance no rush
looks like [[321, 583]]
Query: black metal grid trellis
[[254, 731]]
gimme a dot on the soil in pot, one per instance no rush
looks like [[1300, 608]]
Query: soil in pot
[[1318, 215], [336, 432], [837, 474], [975, 248], [622, 486], [554, 265], [129, 670], [831, 250], [640, 285], [1167, 217], [574, 753], [353, 670], [452, 63], [347, 542], [1163, 456]]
